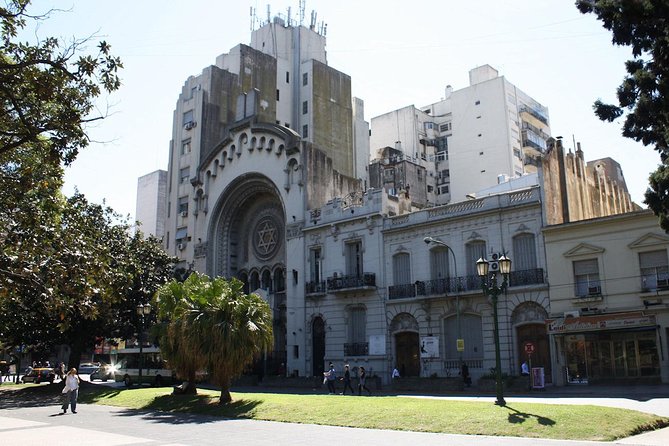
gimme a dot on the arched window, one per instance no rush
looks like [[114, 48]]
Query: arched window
[[254, 283], [474, 251], [524, 252], [401, 268], [279, 280], [267, 280], [439, 263]]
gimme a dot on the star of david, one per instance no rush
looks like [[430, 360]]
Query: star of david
[[266, 237]]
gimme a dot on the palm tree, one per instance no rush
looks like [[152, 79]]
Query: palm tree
[[213, 325]]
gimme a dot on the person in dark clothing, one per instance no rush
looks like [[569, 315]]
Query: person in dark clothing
[[465, 375], [347, 380], [362, 382]]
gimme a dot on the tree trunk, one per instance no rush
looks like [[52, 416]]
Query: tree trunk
[[225, 396]]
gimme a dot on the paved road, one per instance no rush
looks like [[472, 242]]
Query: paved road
[[109, 426]]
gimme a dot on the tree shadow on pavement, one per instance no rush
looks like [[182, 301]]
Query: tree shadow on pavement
[[516, 416]]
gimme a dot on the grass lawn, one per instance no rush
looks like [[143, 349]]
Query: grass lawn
[[389, 412]]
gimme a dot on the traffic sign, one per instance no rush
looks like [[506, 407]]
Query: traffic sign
[[529, 347]]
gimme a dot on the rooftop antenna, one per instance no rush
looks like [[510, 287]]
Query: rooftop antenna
[[252, 14], [312, 25], [269, 19], [289, 20], [301, 14]]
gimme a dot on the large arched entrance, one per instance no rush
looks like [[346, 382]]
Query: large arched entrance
[[530, 327], [407, 352], [247, 241], [404, 328], [318, 346]]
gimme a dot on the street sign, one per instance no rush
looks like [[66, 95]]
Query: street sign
[[529, 347], [460, 344]]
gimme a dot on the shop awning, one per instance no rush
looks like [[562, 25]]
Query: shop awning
[[599, 322]]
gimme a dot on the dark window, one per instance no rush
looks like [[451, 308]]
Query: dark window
[[305, 78], [277, 94], [287, 77], [305, 107], [305, 131]]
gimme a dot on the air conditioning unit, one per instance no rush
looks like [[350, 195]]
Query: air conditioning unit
[[574, 313], [184, 213], [494, 263], [189, 125], [181, 246]]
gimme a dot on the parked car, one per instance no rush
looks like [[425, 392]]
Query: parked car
[[104, 372], [88, 367], [39, 375]]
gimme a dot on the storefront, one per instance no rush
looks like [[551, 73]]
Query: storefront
[[607, 348]]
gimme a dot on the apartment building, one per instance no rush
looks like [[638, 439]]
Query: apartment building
[[150, 209], [471, 139]]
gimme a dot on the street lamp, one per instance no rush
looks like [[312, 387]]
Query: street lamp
[[436, 241], [142, 311], [491, 288]]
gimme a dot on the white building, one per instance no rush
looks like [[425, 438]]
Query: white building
[[472, 139], [150, 211]]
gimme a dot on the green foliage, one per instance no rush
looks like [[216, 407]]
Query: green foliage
[[48, 89], [213, 325], [643, 96]]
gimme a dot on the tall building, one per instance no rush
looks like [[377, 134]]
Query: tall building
[[151, 203], [472, 139], [260, 138]]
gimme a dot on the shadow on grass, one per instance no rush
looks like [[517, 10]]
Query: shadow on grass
[[515, 416], [185, 409]]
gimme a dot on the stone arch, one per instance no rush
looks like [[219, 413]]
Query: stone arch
[[406, 348], [247, 227]]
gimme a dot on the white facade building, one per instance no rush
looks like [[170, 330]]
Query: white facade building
[[472, 139], [151, 203]]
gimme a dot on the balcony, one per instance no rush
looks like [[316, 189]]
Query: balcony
[[343, 284], [527, 277], [315, 289], [453, 285], [356, 349]]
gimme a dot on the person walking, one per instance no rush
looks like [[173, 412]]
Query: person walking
[[71, 390], [347, 380], [330, 377], [362, 382]]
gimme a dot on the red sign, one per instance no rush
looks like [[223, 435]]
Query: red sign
[[529, 348]]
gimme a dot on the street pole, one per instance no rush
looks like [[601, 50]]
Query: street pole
[[142, 310], [493, 290]]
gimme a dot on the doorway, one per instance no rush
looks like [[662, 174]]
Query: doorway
[[318, 346], [536, 334], [407, 353]]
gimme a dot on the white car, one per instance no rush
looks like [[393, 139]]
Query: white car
[[88, 367]]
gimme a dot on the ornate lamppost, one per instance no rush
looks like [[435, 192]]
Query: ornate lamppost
[[436, 241], [142, 311], [491, 288]]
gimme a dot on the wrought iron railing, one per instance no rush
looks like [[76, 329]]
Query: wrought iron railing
[[345, 282], [527, 277], [317, 287], [356, 349], [403, 291]]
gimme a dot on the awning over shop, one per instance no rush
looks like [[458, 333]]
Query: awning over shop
[[599, 322]]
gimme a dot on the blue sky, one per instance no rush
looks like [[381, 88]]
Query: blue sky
[[397, 53]]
